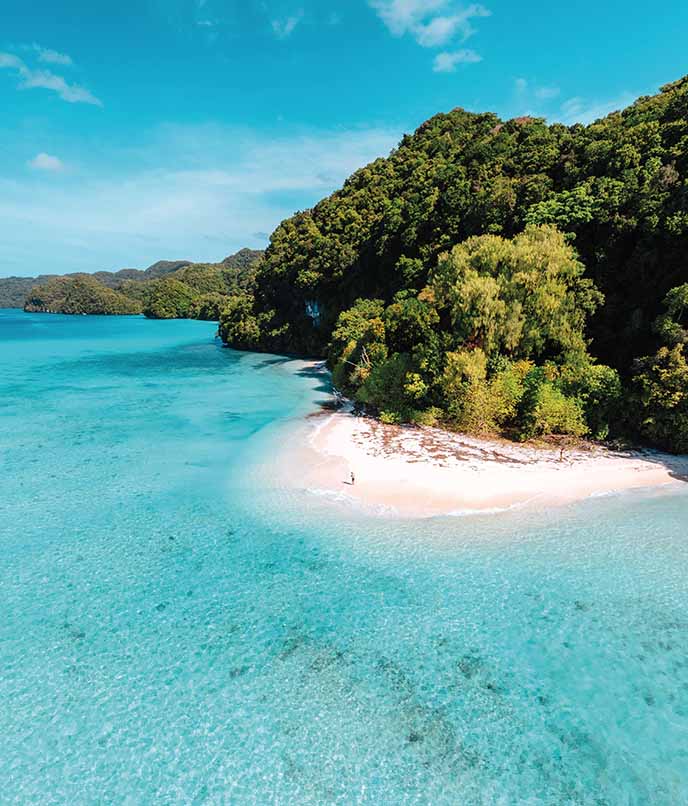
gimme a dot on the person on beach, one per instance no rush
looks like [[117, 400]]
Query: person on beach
[[353, 478]]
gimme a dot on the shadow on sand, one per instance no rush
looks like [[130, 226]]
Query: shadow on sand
[[676, 465]]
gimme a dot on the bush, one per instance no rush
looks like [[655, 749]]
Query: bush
[[390, 417], [478, 404], [598, 389], [662, 381], [552, 412]]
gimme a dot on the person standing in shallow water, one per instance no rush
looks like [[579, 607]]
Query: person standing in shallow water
[[353, 478]]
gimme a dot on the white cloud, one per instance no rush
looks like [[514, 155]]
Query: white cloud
[[437, 32], [46, 162], [72, 93], [432, 23], [284, 28], [580, 110], [195, 192], [447, 62], [48, 56], [45, 79], [530, 98], [402, 16]]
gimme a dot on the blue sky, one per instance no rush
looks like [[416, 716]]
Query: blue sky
[[137, 131]]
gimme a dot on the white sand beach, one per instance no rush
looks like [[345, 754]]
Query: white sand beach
[[424, 472]]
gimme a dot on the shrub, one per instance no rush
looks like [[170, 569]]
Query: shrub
[[662, 381], [552, 412]]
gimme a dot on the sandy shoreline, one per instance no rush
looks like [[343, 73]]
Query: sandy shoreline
[[425, 472]]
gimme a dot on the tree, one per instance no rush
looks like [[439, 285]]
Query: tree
[[552, 412], [662, 379], [663, 383], [358, 343], [523, 298], [465, 347], [672, 326]]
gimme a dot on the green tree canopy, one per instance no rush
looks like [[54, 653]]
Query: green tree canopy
[[524, 298], [662, 379], [79, 294], [494, 343], [168, 299]]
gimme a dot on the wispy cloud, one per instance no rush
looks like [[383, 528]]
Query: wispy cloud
[[432, 23], [30, 78], [541, 100], [581, 110], [447, 62], [44, 79], [48, 56], [47, 162], [196, 191], [284, 28], [11, 61]]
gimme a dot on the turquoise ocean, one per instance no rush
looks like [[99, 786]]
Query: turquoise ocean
[[175, 627]]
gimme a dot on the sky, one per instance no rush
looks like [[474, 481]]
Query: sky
[[186, 129]]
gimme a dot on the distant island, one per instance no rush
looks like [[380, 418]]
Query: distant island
[[15, 290], [165, 290]]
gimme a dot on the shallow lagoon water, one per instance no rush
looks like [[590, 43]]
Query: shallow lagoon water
[[177, 629]]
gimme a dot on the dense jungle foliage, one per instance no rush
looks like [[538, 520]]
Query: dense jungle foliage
[[497, 276], [662, 379]]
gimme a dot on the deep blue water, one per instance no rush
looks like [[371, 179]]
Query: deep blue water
[[177, 629]]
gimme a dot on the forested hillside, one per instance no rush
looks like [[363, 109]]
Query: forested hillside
[[507, 269], [15, 290], [79, 294], [243, 260], [166, 290]]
